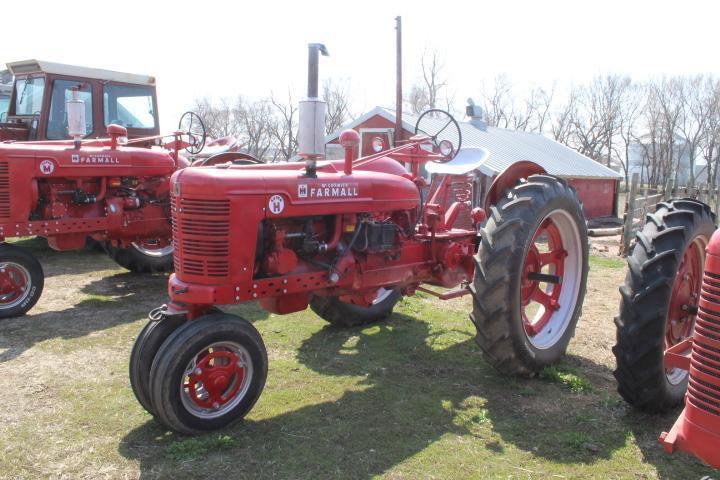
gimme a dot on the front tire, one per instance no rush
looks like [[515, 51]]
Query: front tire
[[140, 257], [208, 374], [146, 346], [530, 275], [345, 315], [660, 294], [21, 281]]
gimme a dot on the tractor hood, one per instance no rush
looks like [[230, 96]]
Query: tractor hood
[[62, 160], [380, 185]]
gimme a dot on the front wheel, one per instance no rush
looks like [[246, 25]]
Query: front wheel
[[208, 373], [530, 275], [21, 281], [143, 256]]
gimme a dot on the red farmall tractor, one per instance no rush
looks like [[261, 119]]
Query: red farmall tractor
[[668, 329], [68, 184], [349, 239]]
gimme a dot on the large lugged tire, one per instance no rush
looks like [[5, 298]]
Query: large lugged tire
[[341, 314], [530, 275], [140, 259], [658, 302], [208, 374], [146, 346], [21, 281]]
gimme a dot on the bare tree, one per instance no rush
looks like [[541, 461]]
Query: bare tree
[[217, 116], [284, 128], [255, 120], [337, 98], [426, 93]]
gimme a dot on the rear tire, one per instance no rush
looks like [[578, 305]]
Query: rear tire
[[21, 281], [139, 260], [341, 314], [513, 339], [208, 374], [672, 243]]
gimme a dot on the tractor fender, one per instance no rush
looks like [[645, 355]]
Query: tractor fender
[[508, 178]]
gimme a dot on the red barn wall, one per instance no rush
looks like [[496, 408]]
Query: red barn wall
[[597, 195]]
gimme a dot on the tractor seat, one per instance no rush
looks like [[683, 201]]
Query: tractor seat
[[220, 145]]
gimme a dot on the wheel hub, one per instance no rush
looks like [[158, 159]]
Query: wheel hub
[[216, 379], [544, 267], [684, 302], [14, 283]]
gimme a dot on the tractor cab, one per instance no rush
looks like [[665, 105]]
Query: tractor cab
[[5, 92], [37, 101]]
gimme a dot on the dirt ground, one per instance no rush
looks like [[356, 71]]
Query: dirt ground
[[410, 399]]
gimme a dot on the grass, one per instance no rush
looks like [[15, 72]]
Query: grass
[[409, 398], [568, 377]]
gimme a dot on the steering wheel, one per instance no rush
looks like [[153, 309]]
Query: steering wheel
[[192, 125], [236, 158], [439, 125]]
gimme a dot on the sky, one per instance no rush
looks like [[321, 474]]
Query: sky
[[224, 49]]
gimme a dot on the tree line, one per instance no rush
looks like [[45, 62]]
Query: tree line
[[654, 126], [658, 127]]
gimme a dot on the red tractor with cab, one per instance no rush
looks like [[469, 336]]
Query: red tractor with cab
[[80, 158], [349, 238]]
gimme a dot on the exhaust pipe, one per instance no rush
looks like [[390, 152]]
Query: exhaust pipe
[[311, 129]]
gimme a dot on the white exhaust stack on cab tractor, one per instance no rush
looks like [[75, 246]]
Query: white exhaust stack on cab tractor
[[311, 130], [75, 108]]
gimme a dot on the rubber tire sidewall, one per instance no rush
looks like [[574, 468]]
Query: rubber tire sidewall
[[498, 320], [135, 261], [146, 346], [641, 326], [341, 314], [175, 353], [11, 253]]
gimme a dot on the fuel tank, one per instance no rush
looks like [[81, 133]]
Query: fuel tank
[[63, 160], [381, 185]]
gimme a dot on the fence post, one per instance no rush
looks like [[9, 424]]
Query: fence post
[[629, 215], [717, 202], [667, 193]]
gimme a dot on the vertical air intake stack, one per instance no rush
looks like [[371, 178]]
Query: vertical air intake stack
[[311, 131], [697, 431]]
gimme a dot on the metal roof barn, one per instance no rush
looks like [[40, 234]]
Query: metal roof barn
[[596, 184]]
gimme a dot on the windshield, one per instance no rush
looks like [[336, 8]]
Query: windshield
[[29, 95], [4, 105], [57, 128], [129, 106]]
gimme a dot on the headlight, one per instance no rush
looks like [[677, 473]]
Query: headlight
[[446, 148]]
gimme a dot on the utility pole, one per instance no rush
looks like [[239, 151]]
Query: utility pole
[[398, 86]]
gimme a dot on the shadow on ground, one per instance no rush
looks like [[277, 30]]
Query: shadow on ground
[[103, 304], [414, 393]]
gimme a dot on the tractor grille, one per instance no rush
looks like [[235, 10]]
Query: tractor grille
[[4, 190], [704, 383], [201, 230]]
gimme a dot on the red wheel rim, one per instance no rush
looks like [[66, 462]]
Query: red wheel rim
[[545, 256], [14, 284], [683, 304], [216, 379]]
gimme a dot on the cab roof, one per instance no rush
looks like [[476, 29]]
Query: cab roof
[[40, 66]]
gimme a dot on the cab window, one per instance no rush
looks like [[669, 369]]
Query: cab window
[[29, 95], [57, 128], [129, 106], [4, 105]]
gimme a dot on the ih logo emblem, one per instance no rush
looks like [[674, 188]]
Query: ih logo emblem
[[302, 190], [276, 204], [47, 167]]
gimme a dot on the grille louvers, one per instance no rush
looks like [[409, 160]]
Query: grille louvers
[[201, 230]]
